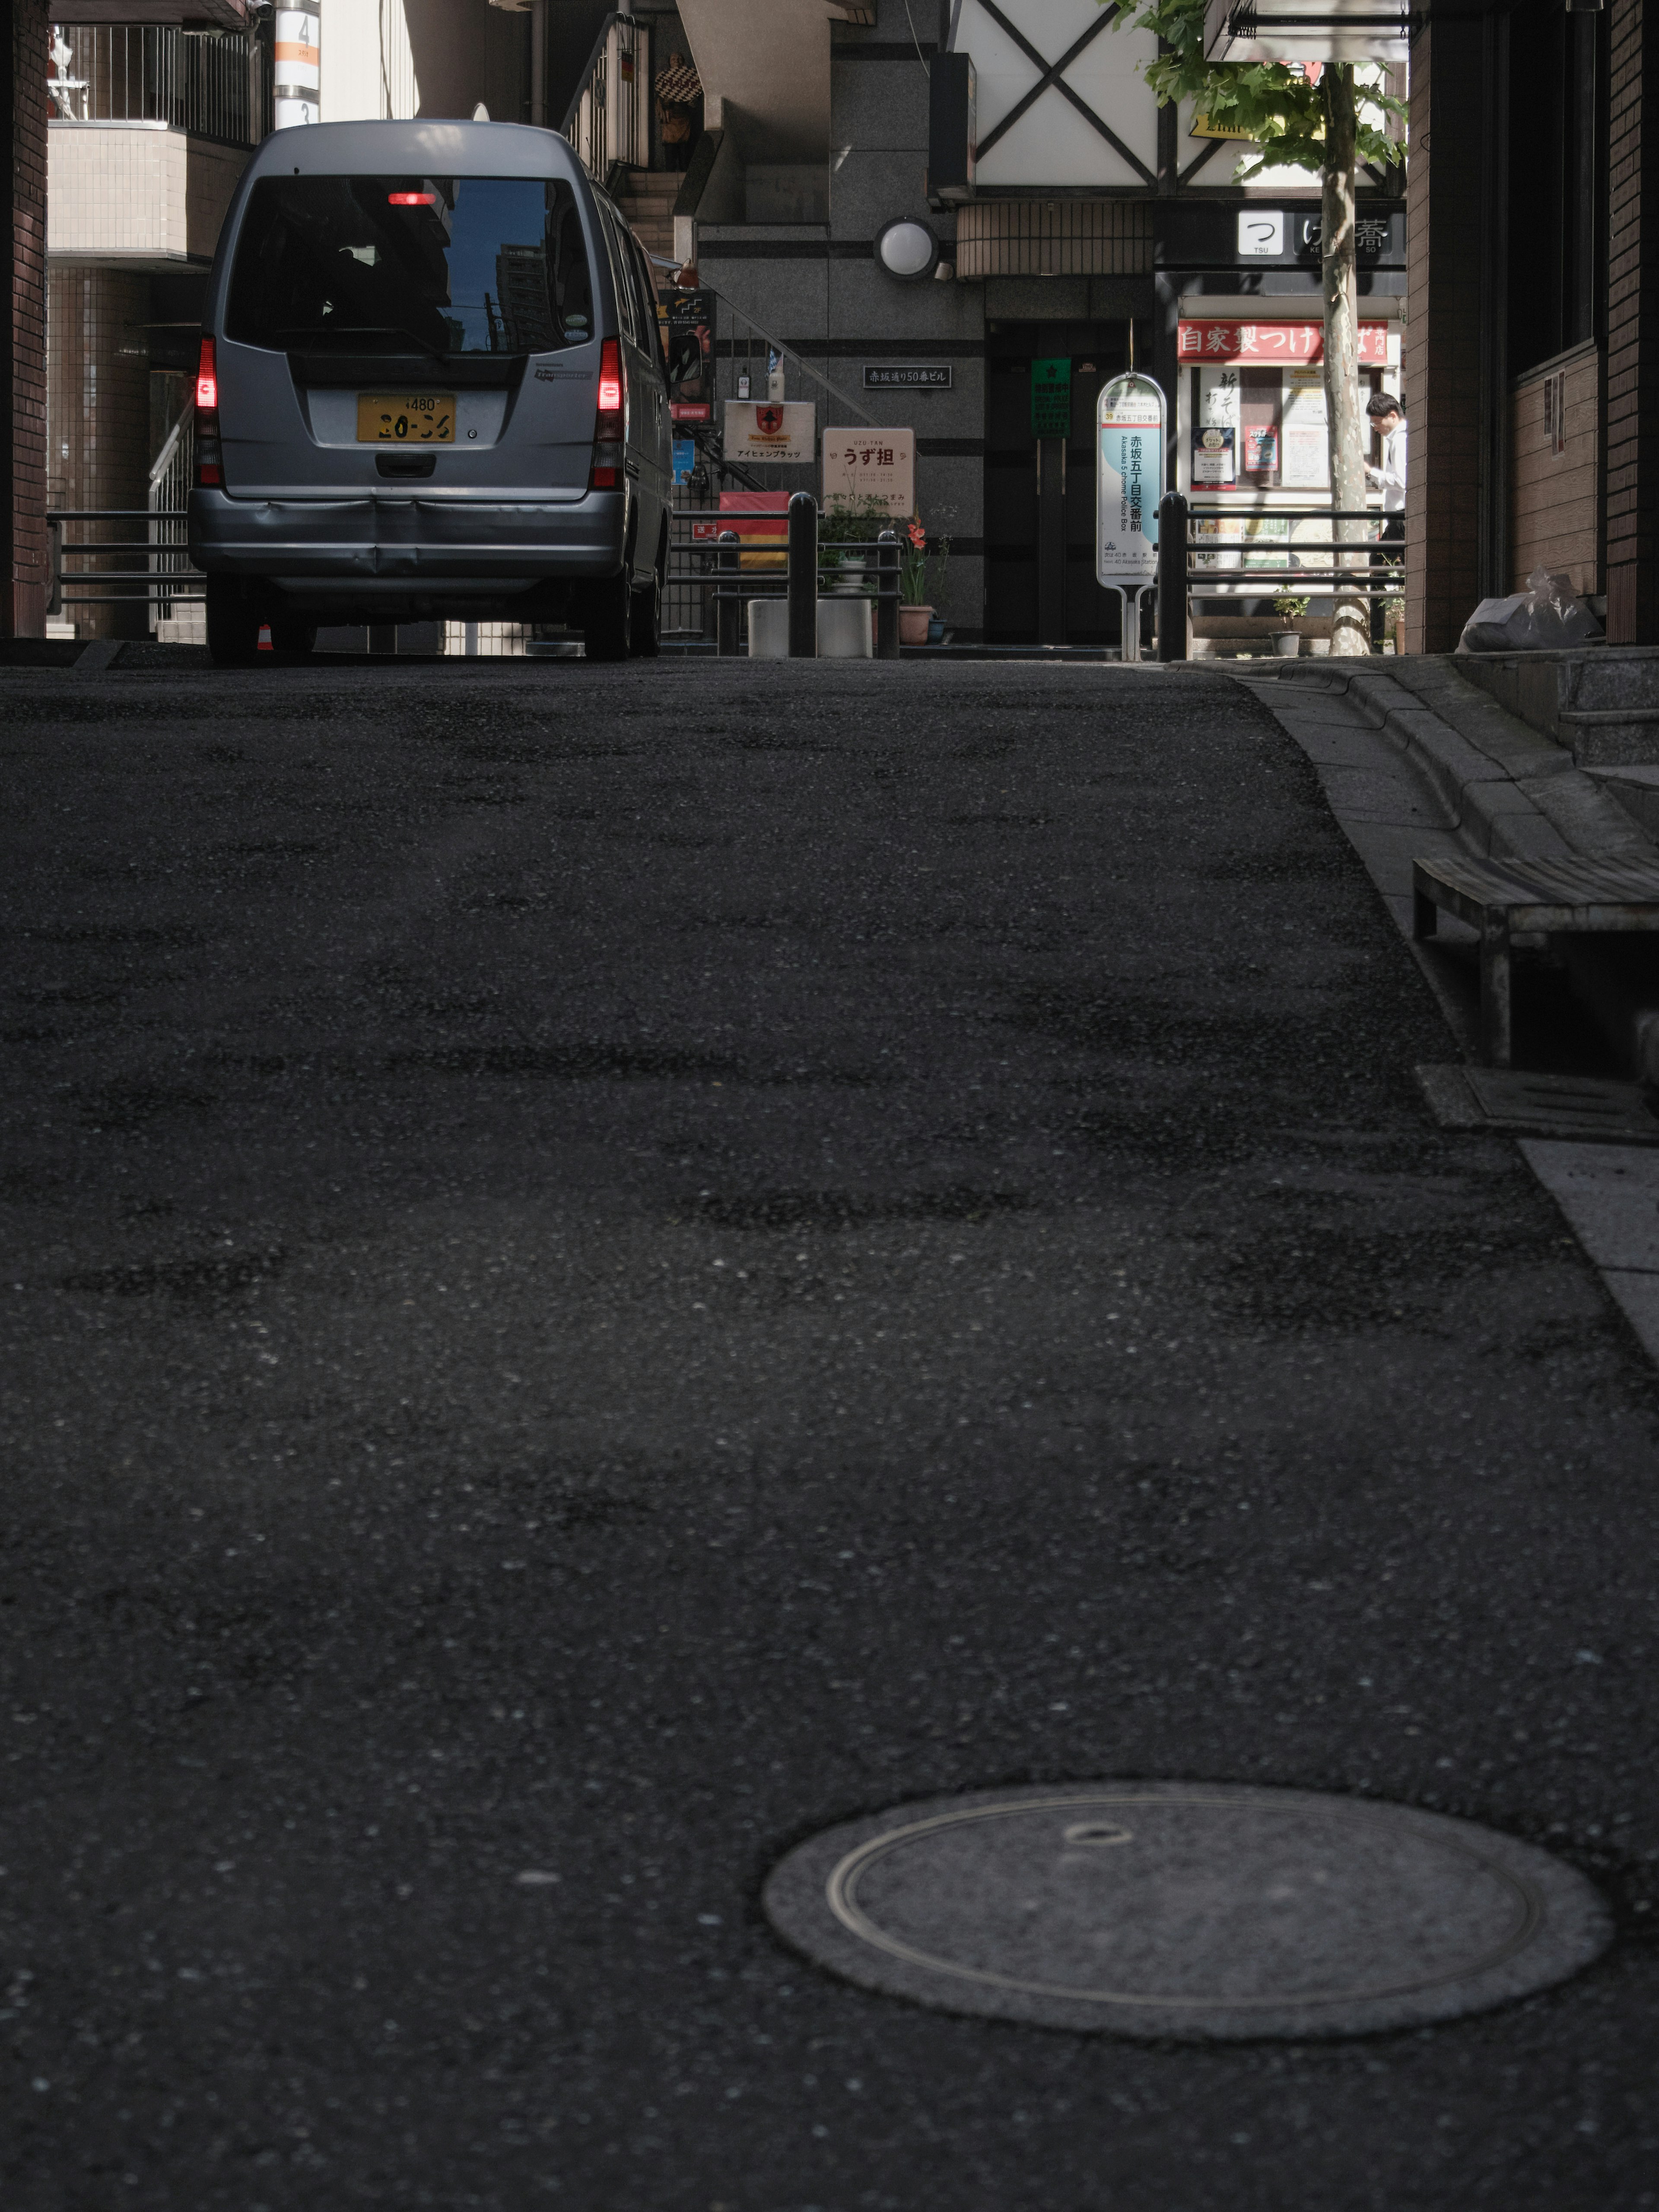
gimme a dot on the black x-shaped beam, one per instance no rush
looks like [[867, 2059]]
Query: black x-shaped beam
[[1053, 73]]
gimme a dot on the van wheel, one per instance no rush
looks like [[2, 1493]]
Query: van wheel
[[608, 618], [647, 619], [233, 623], [292, 639]]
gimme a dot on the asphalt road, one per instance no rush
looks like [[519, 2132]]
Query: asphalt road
[[608, 1267]]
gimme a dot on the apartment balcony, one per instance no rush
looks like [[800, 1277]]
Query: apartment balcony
[[151, 127]]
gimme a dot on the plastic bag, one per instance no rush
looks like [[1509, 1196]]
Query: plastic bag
[[1548, 614]]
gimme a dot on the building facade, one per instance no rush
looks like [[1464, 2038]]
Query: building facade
[[1093, 224]]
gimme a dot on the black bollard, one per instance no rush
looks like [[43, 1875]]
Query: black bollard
[[726, 593], [803, 577], [887, 602], [1172, 577]]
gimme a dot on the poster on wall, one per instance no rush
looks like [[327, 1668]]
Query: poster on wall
[[1212, 456], [770, 429], [1304, 463], [872, 464]]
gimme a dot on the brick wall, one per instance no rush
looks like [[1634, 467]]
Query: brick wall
[[24, 42], [1632, 493], [1553, 495], [1442, 355]]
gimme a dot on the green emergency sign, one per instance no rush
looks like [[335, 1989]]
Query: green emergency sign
[[1051, 398]]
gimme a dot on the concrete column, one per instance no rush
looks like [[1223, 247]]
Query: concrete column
[[1455, 375], [98, 380], [25, 42]]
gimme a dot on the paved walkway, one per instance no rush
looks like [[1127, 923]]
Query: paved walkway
[[611, 1268]]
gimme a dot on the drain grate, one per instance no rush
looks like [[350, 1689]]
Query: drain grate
[[1508, 1100], [1187, 1909]]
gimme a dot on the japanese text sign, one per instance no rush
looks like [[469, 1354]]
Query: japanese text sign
[[1129, 480], [872, 464], [770, 430], [1260, 344], [1051, 398]]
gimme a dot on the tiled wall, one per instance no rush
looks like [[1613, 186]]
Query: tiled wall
[[1632, 580], [129, 189], [98, 420], [1552, 479]]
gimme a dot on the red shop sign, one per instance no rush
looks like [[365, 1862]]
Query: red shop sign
[[1258, 345]]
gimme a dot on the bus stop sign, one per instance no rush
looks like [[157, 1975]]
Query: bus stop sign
[[1129, 482]]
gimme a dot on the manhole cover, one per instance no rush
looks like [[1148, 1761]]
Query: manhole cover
[[1171, 1908]]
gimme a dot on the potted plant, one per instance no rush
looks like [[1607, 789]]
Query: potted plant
[[1287, 641], [916, 610], [851, 522]]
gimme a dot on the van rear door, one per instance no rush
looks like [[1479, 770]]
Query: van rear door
[[439, 329]]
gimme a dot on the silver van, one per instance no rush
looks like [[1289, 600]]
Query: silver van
[[431, 387]]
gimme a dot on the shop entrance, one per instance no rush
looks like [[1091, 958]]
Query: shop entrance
[[1040, 586]]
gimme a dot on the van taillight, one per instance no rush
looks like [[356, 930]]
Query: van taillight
[[609, 431], [209, 460], [611, 387], [207, 380]]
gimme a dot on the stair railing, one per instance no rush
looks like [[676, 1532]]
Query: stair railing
[[609, 121]]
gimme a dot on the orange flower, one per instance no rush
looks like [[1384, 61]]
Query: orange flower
[[917, 535]]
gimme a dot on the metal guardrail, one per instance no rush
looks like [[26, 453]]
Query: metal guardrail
[[1189, 564], [798, 566], [213, 86], [167, 563]]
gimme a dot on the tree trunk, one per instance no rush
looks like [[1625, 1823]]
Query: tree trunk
[[1350, 629]]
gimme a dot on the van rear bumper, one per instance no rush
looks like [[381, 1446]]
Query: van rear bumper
[[408, 543]]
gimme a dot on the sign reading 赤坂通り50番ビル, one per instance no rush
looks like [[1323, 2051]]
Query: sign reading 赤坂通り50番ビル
[[1129, 472]]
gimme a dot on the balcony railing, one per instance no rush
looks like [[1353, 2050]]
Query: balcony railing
[[214, 87], [609, 121]]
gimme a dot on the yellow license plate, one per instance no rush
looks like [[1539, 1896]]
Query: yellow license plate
[[425, 418]]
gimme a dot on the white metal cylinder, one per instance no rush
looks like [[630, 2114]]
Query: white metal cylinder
[[297, 56]]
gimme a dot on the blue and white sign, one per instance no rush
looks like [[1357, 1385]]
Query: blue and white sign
[[685, 459], [1129, 482]]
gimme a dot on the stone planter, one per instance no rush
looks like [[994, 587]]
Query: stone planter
[[1287, 644], [913, 624]]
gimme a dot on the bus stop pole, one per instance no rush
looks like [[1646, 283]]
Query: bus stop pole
[[803, 577], [725, 595]]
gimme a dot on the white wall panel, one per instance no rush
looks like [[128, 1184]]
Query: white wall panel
[[1052, 143]]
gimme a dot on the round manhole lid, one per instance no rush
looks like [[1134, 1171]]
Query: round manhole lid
[[1199, 1909]]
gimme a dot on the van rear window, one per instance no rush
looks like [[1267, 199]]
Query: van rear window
[[373, 264]]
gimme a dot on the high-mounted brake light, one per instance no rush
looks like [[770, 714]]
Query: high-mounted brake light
[[611, 378], [411, 199], [207, 380]]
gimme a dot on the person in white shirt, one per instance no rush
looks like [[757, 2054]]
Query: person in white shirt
[[1383, 409]]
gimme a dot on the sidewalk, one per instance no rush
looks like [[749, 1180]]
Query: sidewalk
[[1417, 762]]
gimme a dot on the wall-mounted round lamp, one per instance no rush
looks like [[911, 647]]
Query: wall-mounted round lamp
[[907, 248]]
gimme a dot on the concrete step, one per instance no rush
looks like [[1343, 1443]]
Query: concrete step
[[651, 185], [1602, 700]]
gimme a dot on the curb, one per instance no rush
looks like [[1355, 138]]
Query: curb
[[1511, 792]]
